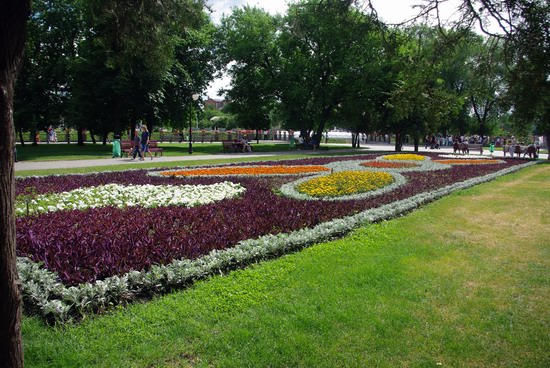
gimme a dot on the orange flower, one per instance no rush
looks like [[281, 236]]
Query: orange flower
[[248, 170], [389, 164]]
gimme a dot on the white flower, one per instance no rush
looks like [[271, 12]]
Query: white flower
[[148, 196]]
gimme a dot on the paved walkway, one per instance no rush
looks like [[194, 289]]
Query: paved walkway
[[44, 165]]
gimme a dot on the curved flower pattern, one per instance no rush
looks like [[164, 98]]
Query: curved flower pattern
[[71, 274], [247, 170], [291, 189], [121, 196], [386, 165]]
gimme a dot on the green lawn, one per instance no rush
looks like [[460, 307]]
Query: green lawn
[[53, 152], [462, 282], [57, 152], [156, 164]]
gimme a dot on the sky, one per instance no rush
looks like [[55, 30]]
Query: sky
[[394, 11]]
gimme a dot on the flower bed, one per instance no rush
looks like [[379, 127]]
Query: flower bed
[[122, 196], [345, 183], [99, 257]]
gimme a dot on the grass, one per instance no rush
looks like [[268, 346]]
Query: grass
[[462, 282], [56, 152], [153, 164]]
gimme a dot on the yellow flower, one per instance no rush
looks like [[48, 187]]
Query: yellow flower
[[345, 183], [404, 156]]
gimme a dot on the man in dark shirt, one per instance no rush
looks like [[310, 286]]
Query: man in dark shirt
[[137, 144]]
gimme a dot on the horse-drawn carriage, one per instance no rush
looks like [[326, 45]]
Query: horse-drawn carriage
[[518, 150]]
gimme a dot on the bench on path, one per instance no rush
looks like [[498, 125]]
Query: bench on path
[[232, 146], [154, 148], [126, 148], [465, 148], [171, 138], [475, 147]]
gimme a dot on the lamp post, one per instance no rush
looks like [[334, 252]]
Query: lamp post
[[195, 98]]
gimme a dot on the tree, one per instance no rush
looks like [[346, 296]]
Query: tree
[[529, 81], [249, 51], [473, 68], [191, 71], [317, 38], [13, 21], [43, 84], [365, 80], [139, 62], [333, 57], [420, 102], [524, 26], [126, 50], [487, 85]]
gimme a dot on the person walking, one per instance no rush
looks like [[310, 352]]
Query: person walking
[[137, 147], [145, 138]]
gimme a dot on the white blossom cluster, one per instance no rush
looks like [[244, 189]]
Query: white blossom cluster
[[59, 304], [121, 196]]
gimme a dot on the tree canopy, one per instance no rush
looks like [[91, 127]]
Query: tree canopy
[[108, 65], [105, 65]]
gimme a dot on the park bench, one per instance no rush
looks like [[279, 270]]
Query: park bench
[[232, 146], [171, 138], [154, 148], [475, 148], [465, 148], [126, 148]]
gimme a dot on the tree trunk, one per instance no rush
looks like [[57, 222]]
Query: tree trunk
[[35, 135], [80, 136], [21, 138], [398, 142], [92, 136], [13, 22], [357, 140], [322, 123], [547, 136], [416, 139]]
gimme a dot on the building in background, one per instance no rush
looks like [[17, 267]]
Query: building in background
[[214, 103]]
